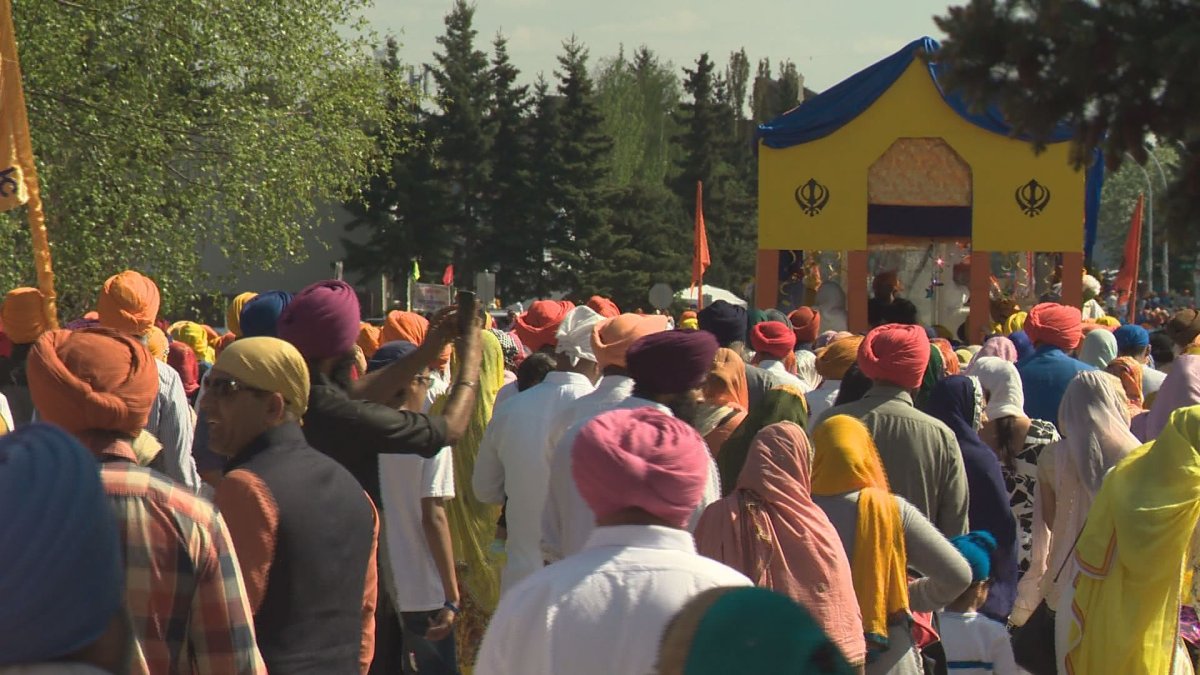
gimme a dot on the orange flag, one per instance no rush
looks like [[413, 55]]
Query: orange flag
[[700, 257], [18, 175], [1126, 283]]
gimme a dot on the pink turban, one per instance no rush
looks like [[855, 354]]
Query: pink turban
[[806, 324], [538, 327], [772, 338], [896, 353], [672, 362], [1054, 324], [603, 306], [612, 338], [643, 459], [322, 321]]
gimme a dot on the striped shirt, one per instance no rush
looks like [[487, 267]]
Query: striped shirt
[[184, 588]]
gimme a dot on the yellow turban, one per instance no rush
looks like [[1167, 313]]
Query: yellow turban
[[269, 364], [233, 315], [1015, 322], [156, 341], [1109, 322], [193, 335]]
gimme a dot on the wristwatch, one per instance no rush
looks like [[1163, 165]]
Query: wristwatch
[[452, 607]]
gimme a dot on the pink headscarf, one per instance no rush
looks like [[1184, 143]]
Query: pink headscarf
[[1179, 390], [770, 530], [640, 458], [896, 353], [1000, 347]]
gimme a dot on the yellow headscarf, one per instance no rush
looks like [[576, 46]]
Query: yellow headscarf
[[845, 459], [233, 315], [156, 342], [193, 335], [1015, 322], [1131, 555], [472, 523], [269, 364], [1109, 321]]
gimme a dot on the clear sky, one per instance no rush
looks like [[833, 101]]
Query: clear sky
[[827, 39]]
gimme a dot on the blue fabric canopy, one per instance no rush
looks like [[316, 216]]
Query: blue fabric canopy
[[831, 110]]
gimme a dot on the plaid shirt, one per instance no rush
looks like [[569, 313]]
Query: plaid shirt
[[183, 584]]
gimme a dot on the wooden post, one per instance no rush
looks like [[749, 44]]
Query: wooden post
[[1072, 278], [856, 294], [766, 279], [980, 286]]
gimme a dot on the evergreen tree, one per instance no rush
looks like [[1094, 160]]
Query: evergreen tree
[[647, 220], [546, 225], [462, 76]]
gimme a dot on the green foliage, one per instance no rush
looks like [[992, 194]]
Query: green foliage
[[165, 127], [1117, 71]]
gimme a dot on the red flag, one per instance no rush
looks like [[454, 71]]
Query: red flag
[[448, 275], [700, 258], [1126, 283]]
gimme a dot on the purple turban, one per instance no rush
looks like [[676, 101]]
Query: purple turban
[[322, 321], [640, 458], [672, 362], [260, 315]]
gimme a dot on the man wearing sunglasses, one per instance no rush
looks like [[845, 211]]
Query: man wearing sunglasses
[[303, 528]]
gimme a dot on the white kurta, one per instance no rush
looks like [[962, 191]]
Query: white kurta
[[514, 462], [603, 610], [567, 520]]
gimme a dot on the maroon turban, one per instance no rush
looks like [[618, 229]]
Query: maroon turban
[[643, 459], [806, 324], [322, 320], [183, 360], [671, 362], [538, 327], [1054, 324], [896, 353], [604, 307], [772, 338]]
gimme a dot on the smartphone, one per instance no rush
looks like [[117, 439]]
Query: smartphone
[[466, 310]]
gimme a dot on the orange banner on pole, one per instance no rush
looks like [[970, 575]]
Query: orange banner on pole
[[1127, 277], [700, 257], [18, 174]]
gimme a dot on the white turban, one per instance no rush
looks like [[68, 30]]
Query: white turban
[[575, 334]]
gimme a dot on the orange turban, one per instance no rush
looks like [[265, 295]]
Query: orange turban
[[1054, 324], [156, 342], [368, 339], [95, 379], [128, 303], [604, 307], [896, 353], [410, 327], [833, 361], [612, 338], [538, 327], [806, 324], [23, 315], [233, 315], [949, 358]]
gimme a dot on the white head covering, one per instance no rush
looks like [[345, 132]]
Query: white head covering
[[1099, 347], [1005, 397], [575, 334], [806, 369]]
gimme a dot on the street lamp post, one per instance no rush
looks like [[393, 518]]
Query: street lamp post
[[1166, 250]]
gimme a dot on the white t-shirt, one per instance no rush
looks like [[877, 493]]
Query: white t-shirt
[[406, 480], [977, 644]]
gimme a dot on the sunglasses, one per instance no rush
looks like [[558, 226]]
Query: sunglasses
[[224, 387]]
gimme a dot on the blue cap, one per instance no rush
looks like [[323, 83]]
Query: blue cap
[[388, 352]]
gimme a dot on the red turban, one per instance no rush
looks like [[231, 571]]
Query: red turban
[[603, 306], [538, 326], [183, 360], [1054, 324], [806, 323], [772, 338], [128, 303], [322, 320], [640, 459], [23, 315], [612, 338], [96, 379], [896, 353], [226, 340]]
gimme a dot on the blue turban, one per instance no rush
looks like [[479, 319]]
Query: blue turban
[[1023, 344], [389, 352], [727, 322], [1131, 336], [61, 576], [261, 314], [977, 547]]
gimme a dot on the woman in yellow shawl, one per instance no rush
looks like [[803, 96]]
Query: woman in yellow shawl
[[883, 535], [1132, 555], [472, 523]]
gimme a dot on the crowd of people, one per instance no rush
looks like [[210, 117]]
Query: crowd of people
[[590, 491]]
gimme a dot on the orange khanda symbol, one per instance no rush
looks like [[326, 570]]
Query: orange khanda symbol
[[812, 197], [1033, 197]]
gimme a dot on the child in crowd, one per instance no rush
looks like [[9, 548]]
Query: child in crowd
[[975, 644]]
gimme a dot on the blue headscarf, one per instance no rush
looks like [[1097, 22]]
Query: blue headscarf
[[956, 401], [389, 352], [61, 576], [260, 316], [977, 548], [1023, 344]]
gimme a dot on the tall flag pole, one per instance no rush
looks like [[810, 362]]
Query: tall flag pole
[[18, 175], [1127, 277], [700, 257]]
